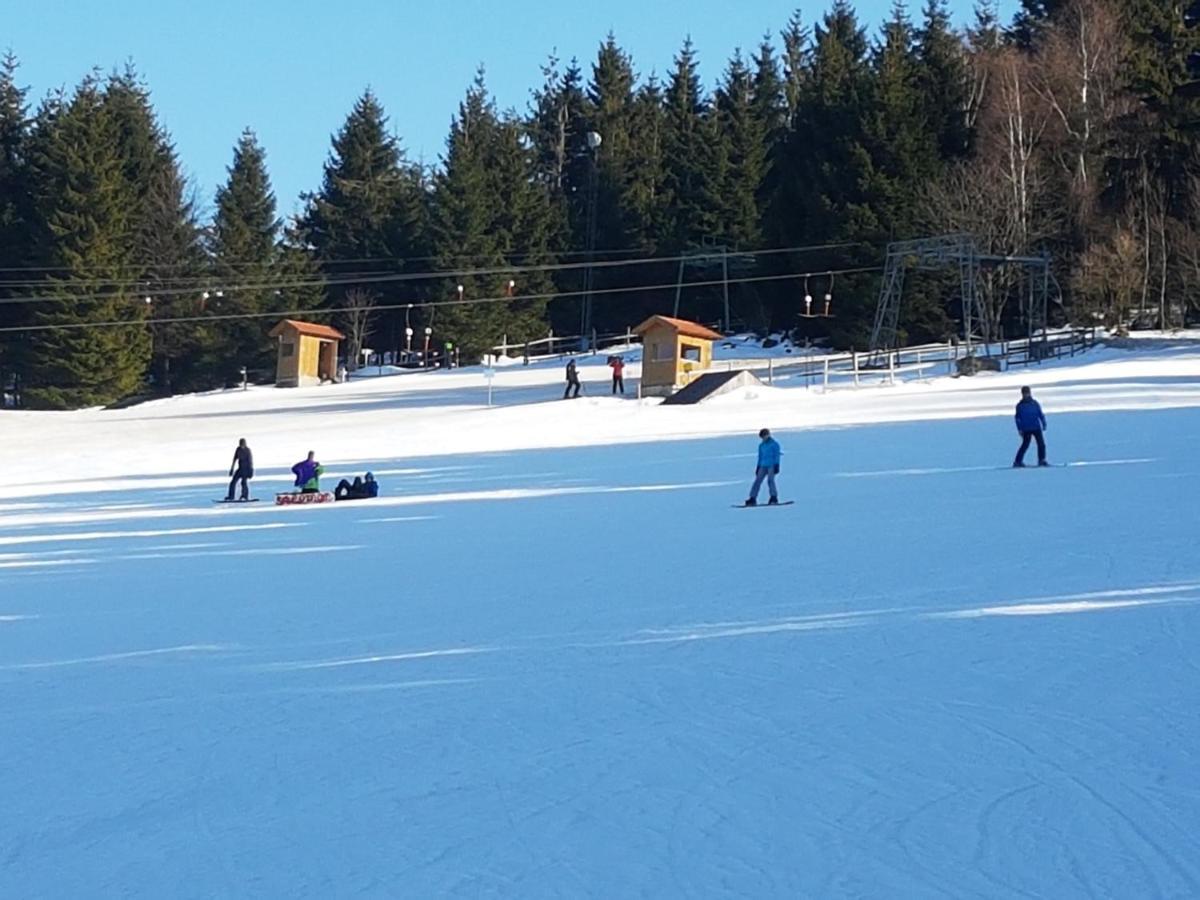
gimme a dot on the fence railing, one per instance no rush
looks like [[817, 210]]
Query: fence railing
[[924, 361]]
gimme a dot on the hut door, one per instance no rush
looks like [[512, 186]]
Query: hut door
[[328, 364]]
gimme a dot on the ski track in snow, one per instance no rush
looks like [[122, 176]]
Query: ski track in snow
[[566, 667]]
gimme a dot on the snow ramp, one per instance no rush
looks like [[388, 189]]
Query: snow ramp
[[713, 384]]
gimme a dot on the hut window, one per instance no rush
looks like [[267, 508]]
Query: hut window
[[661, 353], [286, 350], [690, 352]]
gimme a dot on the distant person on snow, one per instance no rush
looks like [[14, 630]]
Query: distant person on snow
[[618, 367], [572, 380], [308, 474], [1031, 422], [362, 488], [769, 453], [241, 469]]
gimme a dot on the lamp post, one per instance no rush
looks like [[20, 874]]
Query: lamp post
[[425, 358], [594, 140]]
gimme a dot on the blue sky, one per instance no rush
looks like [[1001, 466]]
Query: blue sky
[[292, 70]]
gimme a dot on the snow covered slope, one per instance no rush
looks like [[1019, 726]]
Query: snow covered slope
[[552, 661]]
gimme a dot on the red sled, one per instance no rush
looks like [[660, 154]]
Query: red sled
[[296, 498]]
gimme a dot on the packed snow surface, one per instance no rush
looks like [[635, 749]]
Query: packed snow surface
[[551, 659]]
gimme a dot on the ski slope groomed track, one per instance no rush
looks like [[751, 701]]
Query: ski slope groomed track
[[551, 659]]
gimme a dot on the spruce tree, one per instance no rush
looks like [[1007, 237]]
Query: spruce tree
[[835, 192], [942, 78], [797, 63], [744, 135], [905, 151], [168, 258], [1031, 20], [16, 214], [246, 264], [693, 158], [91, 346], [487, 208], [610, 113], [1161, 134], [369, 215], [646, 199]]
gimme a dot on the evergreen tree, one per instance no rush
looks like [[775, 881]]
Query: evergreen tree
[[744, 135], [557, 129], [905, 151], [488, 208], [833, 185], [173, 265], [1162, 134], [942, 77], [246, 265], [610, 113], [646, 197], [16, 213], [797, 63], [88, 213], [1031, 19], [369, 215], [693, 159], [168, 258]]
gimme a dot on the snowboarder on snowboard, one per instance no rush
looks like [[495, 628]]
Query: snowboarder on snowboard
[[767, 468], [572, 380], [241, 469], [1031, 422], [308, 474]]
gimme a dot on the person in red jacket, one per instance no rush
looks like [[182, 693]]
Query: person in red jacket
[[618, 367]]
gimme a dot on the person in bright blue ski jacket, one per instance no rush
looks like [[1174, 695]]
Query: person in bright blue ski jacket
[[1031, 423], [769, 454]]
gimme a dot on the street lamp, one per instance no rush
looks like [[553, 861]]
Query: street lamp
[[594, 140], [425, 358]]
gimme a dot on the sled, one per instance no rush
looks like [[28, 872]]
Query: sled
[[295, 498]]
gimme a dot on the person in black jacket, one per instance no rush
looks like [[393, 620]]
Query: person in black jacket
[[572, 380], [241, 469]]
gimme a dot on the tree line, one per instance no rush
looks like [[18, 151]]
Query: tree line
[[1070, 130]]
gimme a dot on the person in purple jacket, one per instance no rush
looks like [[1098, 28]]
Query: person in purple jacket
[[308, 474], [1031, 423]]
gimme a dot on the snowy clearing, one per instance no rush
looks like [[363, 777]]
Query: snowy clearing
[[550, 660]]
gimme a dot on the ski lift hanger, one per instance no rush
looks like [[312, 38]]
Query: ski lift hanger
[[826, 311]]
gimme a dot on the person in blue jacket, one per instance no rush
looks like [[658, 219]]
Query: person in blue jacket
[[1031, 423], [767, 468]]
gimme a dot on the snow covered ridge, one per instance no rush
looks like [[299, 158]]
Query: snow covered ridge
[[550, 659]]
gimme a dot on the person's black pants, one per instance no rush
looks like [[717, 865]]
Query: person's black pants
[[1026, 437], [618, 384], [241, 476], [571, 384]]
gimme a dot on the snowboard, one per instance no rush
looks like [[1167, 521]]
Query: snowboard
[[297, 498], [757, 505], [223, 500]]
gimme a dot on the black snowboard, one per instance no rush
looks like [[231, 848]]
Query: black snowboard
[[757, 505], [223, 500]]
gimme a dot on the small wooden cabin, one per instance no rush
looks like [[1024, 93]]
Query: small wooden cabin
[[674, 351], [308, 353]]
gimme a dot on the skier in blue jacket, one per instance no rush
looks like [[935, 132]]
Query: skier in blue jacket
[[1031, 423], [767, 468]]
